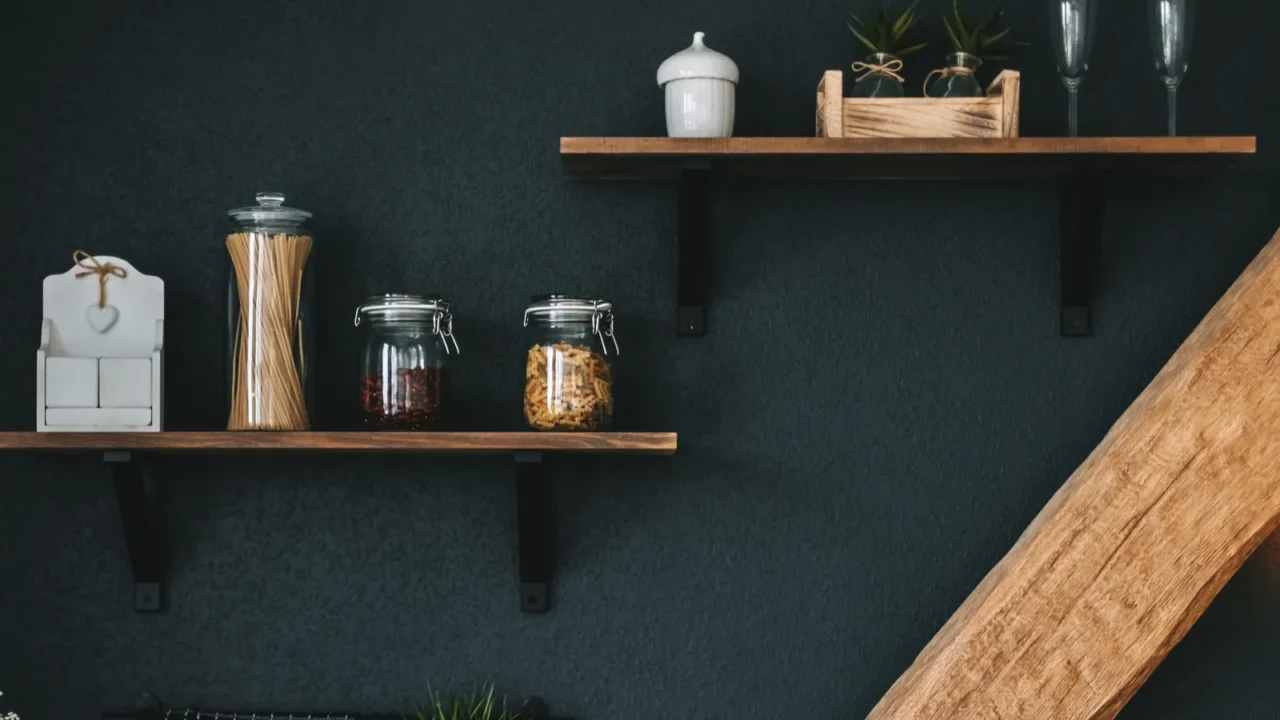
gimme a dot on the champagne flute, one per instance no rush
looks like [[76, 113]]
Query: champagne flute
[[1173, 28], [1071, 27]]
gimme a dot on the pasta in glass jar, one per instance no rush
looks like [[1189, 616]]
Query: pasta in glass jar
[[568, 378]]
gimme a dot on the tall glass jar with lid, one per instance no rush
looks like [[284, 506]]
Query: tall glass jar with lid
[[404, 361], [568, 371], [270, 318]]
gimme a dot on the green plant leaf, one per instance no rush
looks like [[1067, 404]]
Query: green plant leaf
[[903, 26], [863, 39], [961, 30], [906, 21], [981, 27], [885, 30], [955, 41], [982, 38], [992, 40], [912, 50], [900, 25]]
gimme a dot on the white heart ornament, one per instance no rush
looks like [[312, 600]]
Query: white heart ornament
[[102, 319]]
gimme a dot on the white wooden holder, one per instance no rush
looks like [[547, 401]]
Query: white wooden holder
[[101, 369]]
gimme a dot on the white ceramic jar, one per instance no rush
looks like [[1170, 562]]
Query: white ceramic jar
[[700, 84]]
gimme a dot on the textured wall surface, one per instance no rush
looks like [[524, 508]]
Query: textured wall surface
[[881, 405]]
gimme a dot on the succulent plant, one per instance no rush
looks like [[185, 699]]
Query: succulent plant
[[885, 33], [980, 39]]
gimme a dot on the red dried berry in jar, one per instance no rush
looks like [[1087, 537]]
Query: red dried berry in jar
[[409, 399], [404, 381]]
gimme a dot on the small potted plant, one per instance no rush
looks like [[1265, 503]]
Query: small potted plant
[[886, 37], [973, 44], [480, 706]]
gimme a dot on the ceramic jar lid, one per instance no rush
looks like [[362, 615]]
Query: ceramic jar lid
[[697, 61]]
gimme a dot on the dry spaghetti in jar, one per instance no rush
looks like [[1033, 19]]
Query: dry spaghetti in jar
[[568, 375], [270, 324]]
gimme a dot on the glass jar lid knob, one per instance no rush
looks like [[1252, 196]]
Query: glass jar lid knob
[[270, 208]]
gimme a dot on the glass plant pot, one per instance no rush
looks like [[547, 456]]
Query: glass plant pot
[[957, 79], [879, 77]]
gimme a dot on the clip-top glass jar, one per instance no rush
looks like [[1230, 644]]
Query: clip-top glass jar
[[568, 380], [404, 361], [270, 323]]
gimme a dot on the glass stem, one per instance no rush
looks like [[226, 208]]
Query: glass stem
[[1173, 111], [1073, 112]]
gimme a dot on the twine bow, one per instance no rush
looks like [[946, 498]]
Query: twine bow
[[104, 272], [945, 73], [890, 69]]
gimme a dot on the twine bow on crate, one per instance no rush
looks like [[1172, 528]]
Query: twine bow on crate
[[944, 73], [103, 271], [889, 69]]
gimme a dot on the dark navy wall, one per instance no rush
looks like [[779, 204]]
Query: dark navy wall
[[881, 405]]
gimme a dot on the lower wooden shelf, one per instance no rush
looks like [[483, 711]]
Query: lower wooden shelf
[[139, 497], [481, 443]]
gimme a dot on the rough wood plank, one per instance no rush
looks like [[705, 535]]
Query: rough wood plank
[[663, 146], [830, 122], [922, 117], [888, 158], [1008, 87], [1131, 550], [426, 442]]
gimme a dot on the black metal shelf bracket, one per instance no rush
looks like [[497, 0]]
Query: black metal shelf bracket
[[693, 249], [535, 531], [1082, 206], [138, 500]]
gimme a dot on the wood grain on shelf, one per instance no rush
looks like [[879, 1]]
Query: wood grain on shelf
[[906, 146], [426, 442], [894, 158], [1130, 551]]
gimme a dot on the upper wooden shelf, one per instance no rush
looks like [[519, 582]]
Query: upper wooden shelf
[[891, 158], [482, 443]]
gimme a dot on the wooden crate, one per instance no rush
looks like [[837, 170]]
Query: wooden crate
[[993, 116]]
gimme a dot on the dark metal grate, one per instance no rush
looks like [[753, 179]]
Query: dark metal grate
[[534, 709]]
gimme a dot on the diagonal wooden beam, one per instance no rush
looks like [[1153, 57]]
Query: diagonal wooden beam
[[1130, 551]]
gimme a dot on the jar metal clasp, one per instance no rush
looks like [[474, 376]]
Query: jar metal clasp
[[442, 325], [602, 326]]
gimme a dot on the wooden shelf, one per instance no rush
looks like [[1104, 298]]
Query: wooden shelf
[[1081, 168], [481, 443], [127, 455], [893, 158]]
